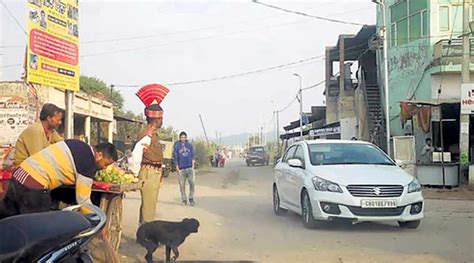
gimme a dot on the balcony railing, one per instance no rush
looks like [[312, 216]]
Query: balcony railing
[[451, 49]]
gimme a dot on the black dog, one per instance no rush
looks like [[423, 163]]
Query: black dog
[[157, 233]]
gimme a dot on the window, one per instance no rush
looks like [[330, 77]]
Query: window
[[299, 154], [409, 21], [347, 154], [393, 32], [416, 6], [425, 23], [472, 13], [399, 11], [456, 14], [415, 26], [289, 154], [444, 18], [257, 150], [402, 32]]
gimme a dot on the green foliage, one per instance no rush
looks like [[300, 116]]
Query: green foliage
[[98, 88], [168, 134], [125, 128], [202, 151]]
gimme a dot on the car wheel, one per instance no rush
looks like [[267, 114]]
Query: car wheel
[[248, 164], [276, 203], [307, 212], [409, 224]]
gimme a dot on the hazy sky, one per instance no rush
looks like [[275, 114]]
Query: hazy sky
[[141, 42]]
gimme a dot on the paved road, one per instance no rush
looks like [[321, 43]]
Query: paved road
[[237, 223]]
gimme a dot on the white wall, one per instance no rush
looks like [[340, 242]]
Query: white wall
[[348, 128], [450, 85]]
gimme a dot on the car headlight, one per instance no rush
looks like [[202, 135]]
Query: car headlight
[[323, 185], [414, 186]]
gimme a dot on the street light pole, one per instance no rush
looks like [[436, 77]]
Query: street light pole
[[383, 31], [300, 95]]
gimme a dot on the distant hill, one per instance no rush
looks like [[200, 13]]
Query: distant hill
[[241, 139]]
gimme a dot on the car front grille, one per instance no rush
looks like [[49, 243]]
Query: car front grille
[[359, 211], [375, 190]]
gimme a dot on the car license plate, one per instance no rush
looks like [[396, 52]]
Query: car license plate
[[378, 203]]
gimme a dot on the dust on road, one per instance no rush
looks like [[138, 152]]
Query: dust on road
[[237, 223]]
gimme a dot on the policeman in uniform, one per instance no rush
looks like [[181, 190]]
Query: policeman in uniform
[[147, 156]]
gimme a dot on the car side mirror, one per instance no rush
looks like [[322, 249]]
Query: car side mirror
[[296, 163]]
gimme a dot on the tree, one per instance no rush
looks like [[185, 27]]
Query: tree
[[203, 151], [99, 89]]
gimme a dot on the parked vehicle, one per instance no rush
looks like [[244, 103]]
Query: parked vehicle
[[350, 180], [57, 236], [257, 155]]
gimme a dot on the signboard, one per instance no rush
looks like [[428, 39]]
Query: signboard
[[15, 115], [404, 149], [467, 98], [325, 131], [53, 43]]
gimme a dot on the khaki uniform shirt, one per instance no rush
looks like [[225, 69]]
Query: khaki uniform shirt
[[33, 140], [154, 153]]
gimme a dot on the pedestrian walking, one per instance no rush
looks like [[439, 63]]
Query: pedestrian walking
[[183, 157]]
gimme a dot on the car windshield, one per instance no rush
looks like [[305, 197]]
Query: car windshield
[[257, 150], [347, 153]]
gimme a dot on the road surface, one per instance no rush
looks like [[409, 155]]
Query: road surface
[[234, 206]]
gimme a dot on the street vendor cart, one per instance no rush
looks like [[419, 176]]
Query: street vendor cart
[[109, 197]]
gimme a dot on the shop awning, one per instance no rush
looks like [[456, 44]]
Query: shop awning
[[296, 124], [330, 129], [287, 136]]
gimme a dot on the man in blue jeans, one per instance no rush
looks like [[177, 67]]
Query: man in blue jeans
[[183, 157]]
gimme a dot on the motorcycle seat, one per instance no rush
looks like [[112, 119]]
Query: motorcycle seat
[[27, 237]]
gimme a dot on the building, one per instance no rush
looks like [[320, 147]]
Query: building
[[424, 64], [353, 95], [20, 105]]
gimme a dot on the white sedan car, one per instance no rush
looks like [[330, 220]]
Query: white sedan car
[[350, 180]]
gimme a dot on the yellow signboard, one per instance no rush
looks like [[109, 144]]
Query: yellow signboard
[[53, 43]]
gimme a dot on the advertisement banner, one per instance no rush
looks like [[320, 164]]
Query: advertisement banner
[[15, 115], [53, 43], [467, 98]]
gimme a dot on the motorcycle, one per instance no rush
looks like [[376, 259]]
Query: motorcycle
[[56, 236]]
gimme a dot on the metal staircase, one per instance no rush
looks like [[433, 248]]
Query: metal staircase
[[375, 114]]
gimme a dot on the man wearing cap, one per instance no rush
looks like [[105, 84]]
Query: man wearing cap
[[147, 156]]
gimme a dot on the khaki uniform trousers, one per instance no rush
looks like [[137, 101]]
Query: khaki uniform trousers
[[151, 177]]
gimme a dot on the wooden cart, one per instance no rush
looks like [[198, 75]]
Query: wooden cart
[[110, 200], [111, 203]]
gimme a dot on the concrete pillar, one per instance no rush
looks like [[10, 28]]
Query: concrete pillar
[[347, 117], [110, 131], [341, 66], [87, 129], [69, 119], [465, 75]]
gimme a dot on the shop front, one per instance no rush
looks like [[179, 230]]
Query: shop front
[[435, 129]]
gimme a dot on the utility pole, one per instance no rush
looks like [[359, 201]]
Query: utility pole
[[69, 118], [384, 35], [278, 131], [204, 129], [300, 95], [465, 79]]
